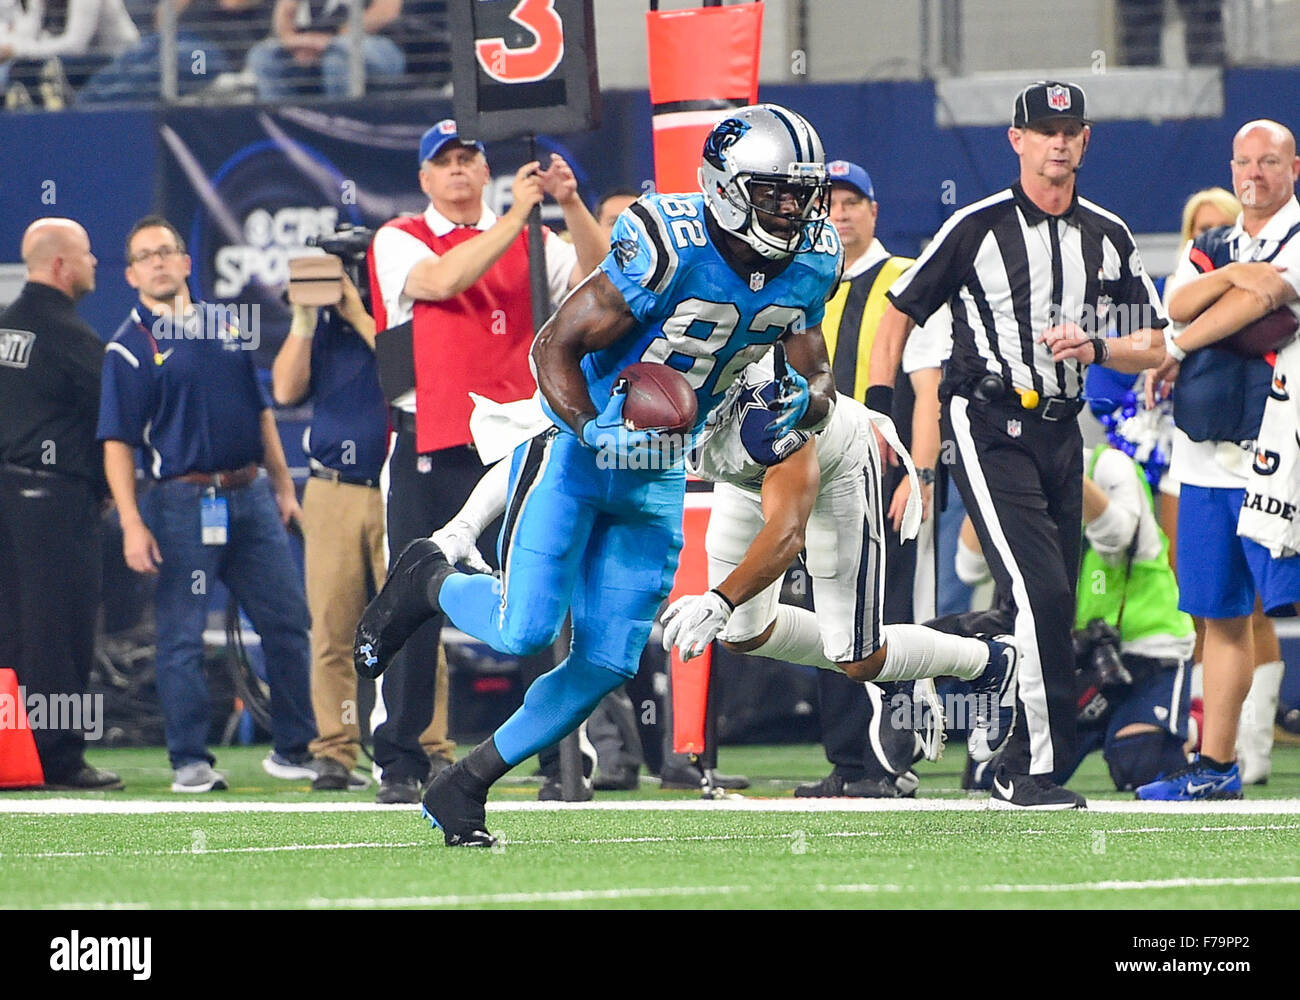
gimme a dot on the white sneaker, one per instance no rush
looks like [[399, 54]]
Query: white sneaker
[[1255, 731], [198, 778], [277, 765]]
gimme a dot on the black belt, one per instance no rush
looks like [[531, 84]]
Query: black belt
[[992, 389], [1059, 407], [334, 476]]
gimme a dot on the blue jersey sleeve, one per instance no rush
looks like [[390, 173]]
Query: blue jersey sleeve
[[126, 394], [825, 259], [632, 263]]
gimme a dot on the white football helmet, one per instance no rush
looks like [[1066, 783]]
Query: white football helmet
[[764, 179]]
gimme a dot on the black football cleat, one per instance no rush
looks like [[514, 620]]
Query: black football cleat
[[405, 602], [454, 804], [1031, 791]]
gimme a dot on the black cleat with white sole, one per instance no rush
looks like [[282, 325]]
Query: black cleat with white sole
[[1031, 791], [406, 601], [995, 694], [455, 804]]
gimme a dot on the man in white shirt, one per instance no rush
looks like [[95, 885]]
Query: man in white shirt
[[454, 313], [1227, 279]]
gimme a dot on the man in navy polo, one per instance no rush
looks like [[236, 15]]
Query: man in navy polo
[[329, 359], [180, 384]]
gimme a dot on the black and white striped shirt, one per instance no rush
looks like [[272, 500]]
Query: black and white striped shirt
[[1010, 271]]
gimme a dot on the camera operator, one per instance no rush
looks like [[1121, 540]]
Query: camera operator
[[1132, 645], [329, 359]]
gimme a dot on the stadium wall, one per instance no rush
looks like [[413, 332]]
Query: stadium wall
[[108, 168]]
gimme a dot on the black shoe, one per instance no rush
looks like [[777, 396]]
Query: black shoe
[[690, 777], [401, 606], [830, 787], [618, 779], [88, 779], [455, 804], [334, 776], [882, 788], [1031, 791], [729, 782], [552, 790], [437, 764], [395, 791], [834, 786]]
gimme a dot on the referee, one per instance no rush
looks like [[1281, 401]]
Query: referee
[[1036, 276], [51, 486]]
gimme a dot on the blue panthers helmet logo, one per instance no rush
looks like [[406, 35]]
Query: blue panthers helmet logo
[[758, 408], [722, 138]]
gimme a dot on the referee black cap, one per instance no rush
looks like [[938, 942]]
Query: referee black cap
[[1049, 99]]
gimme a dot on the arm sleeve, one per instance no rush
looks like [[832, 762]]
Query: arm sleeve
[[126, 397], [561, 259], [396, 253], [1139, 292], [641, 260], [937, 274], [1112, 532]]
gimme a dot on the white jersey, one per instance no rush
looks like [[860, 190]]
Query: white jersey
[[727, 449]]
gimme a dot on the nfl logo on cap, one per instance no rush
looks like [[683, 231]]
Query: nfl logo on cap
[[838, 168], [448, 126], [1058, 98]]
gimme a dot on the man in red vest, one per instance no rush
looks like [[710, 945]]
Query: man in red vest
[[453, 282]]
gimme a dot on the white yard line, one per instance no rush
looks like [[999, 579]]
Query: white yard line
[[601, 841], [109, 806], [681, 891], [594, 895]]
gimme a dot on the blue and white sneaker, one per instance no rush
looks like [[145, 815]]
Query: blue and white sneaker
[[995, 700], [1193, 783]]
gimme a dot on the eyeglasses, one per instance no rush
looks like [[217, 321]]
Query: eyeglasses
[[162, 253]]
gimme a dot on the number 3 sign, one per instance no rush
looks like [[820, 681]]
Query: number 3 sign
[[523, 66]]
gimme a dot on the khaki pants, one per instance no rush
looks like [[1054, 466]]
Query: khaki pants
[[343, 533]]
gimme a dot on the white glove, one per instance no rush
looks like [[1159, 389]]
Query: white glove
[[458, 543], [693, 622]]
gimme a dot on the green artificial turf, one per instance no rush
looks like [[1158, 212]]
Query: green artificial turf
[[585, 858]]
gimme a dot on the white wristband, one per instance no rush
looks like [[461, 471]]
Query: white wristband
[[1172, 349]]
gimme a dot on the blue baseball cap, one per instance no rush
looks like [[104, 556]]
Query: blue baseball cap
[[844, 172], [432, 142]]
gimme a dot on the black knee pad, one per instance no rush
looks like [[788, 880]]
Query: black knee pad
[[1143, 757]]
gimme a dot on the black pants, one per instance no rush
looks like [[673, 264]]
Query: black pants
[[50, 572], [419, 503], [1022, 480], [848, 715]]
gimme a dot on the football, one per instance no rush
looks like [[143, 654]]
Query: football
[[1270, 332], [658, 398]]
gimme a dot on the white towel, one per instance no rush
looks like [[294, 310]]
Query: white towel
[[1270, 513], [912, 512], [499, 428]]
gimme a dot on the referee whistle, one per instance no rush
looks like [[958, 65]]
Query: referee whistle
[[1028, 399]]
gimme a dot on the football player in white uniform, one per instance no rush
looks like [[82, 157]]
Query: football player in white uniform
[[775, 496]]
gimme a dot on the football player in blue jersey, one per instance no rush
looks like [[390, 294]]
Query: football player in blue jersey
[[705, 283], [779, 493]]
